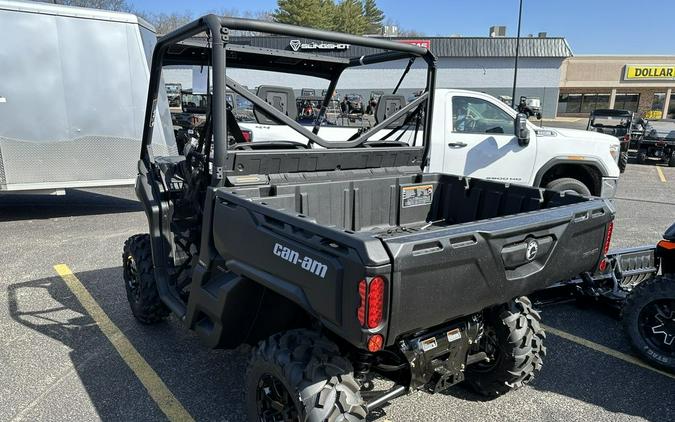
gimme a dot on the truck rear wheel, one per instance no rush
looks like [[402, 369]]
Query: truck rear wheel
[[568, 184], [671, 161], [514, 343], [300, 376], [139, 280], [649, 321]]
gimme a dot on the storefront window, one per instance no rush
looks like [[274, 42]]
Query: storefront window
[[671, 106], [582, 103], [659, 101], [627, 102]]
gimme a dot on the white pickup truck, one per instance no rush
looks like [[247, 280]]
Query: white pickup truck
[[474, 136]]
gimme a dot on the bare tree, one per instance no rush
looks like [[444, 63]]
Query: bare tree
[[166, 22], [114, 5]]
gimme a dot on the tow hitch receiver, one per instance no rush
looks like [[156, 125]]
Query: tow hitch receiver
[[438, 359]]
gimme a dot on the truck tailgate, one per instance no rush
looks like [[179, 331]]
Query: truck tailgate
[[452, 271]]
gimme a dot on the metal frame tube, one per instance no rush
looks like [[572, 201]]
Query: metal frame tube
[[218, 112]]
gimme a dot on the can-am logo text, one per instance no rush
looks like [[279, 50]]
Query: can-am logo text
[[297, 45], [306, 263]]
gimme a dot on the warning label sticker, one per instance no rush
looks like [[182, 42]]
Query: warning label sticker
[[414, 196]]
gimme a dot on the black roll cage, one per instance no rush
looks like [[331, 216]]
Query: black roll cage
[[215, 52]]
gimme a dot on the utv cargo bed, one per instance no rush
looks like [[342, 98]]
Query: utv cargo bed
[[448, 244]]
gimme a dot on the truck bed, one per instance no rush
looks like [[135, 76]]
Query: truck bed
[[449, 246]]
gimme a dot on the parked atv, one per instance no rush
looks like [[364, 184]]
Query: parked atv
[[658, 142], [617, 123], [352, 104], [639, 283], [649, 313]]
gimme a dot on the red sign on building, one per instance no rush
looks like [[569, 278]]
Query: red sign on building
[[420, 43]]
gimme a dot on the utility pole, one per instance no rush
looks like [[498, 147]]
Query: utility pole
[[515, 70]]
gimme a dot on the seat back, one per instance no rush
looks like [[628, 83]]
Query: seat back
[[280, 97]]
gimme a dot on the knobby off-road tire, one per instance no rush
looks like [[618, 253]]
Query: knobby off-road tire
[[514, 340], [303, 376], [649, 321], [568, 184], [139, 280], [623, 161]]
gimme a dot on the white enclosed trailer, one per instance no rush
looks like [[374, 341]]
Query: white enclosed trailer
[[73, 85]]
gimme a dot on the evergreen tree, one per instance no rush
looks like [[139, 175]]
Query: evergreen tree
[[310, 13], [374, 17], [349, 17]]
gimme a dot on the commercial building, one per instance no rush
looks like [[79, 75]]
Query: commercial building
[[643, 84], [483, 64]]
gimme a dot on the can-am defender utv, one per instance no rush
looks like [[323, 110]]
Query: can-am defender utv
[[341, 260]]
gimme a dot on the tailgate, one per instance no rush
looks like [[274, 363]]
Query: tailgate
[[458, 270]]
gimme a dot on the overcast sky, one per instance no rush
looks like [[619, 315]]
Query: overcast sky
[[590, 26]]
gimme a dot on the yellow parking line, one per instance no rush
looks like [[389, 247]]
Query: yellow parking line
[[159, 392], [606, 350], [661, 175]]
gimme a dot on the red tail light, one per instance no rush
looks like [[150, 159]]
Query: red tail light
[[626, 137], [361, 313], [665, 244], [605, 247], [247, 134], [375, 343], [371, 305], [608, 238], [375, 302]]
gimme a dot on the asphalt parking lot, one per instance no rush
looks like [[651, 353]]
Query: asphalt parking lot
[[60, 361]]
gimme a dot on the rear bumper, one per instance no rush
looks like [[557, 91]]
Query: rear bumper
[[609, 187]]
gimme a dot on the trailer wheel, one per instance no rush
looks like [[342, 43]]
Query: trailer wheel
[[623, 161], [568, 184], [649, 321], [514, 343], [300, 376], [641, 157], [671, 162], [139, 280]]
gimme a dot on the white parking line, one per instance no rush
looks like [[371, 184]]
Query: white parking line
[[606, 350], [159, 392]]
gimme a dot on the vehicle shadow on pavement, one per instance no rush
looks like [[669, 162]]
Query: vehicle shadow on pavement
[[208, 383], [15, 207]]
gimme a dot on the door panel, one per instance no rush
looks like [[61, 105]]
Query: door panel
[[480, 142]]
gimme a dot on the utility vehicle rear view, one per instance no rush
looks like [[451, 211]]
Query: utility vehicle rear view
[[343, 260]]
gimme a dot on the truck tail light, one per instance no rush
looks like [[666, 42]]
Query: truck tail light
[[247, 134], [371, 304], [626, 137]]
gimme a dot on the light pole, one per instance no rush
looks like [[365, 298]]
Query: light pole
[[515, 70]]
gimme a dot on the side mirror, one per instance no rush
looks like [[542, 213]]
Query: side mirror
[[520, 129], [538, 115]]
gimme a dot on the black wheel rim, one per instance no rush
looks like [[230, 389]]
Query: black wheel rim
[[275, 403], [489, 344], [656, 324], [131, 277]]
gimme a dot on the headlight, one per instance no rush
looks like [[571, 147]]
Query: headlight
[[615, 151]]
